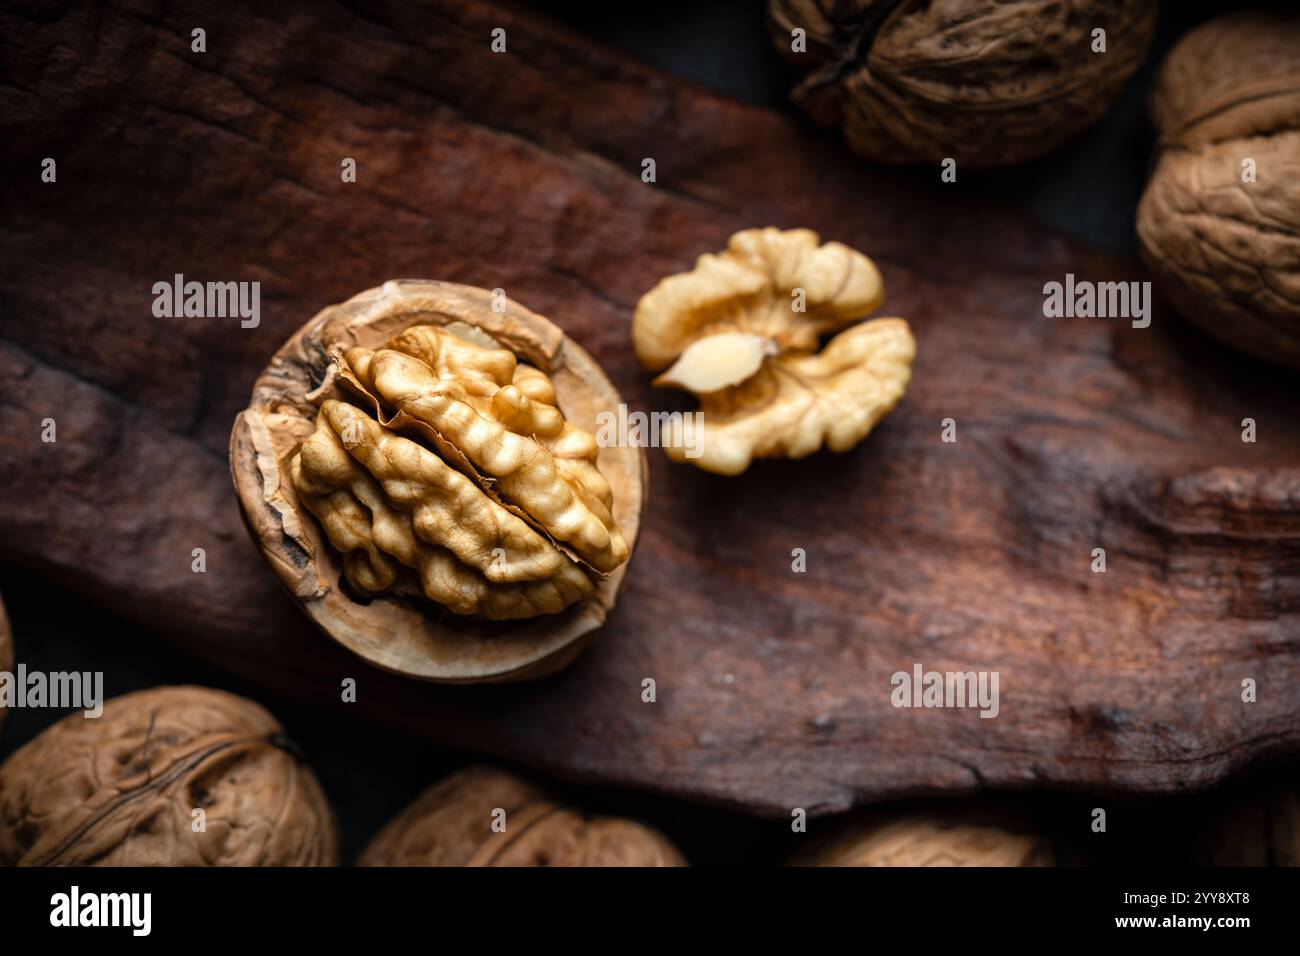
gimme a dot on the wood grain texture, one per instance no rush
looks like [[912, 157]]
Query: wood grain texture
[[522, 171]]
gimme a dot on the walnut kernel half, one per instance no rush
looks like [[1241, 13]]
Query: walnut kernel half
[[742, 331]]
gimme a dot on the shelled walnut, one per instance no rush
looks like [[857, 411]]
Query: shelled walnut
[[419, 466], [1219, 223], [928, 841], [742, 330], [985, 82], [486, 817], [123, 789], [6, 651]]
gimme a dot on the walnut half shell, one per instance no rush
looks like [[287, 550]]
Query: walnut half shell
[[452, 824], [122, 789], [420, 469]]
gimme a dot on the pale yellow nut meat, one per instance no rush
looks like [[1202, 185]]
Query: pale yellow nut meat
[[446, 508], [751, 288], [502, 424], [386, 504], [718, 361], [741, 331], [795, 403]]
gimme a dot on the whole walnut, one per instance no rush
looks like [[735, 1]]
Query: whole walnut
[[486, 817], [1261, 830], [6, 650], [122, 789], [420, 467], [928, 841], [986, 82], [1219, 223]]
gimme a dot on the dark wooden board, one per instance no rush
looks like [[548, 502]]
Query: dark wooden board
[[522, 171]]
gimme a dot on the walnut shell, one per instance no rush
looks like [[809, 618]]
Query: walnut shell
[[6, 650], [1262, 830], [421, 472], [986, 82], [742, 331], [451, 824], [1225, 252], [928, 841], [121, 789]]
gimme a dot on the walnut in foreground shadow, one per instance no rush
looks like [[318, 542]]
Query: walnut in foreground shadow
[[927, 841], [124, 789], [486, 817]]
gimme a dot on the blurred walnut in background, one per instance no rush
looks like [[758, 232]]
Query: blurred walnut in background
[[986, 83], [485, 817], [123, 789], [927, 841], [6, 650], [1219, 224], [1259, 831]]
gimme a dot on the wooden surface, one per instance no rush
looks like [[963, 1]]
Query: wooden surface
[[522, 171]]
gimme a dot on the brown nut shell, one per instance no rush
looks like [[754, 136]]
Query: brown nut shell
[[387, 352], [986, 82], [121, 789], [451, 824], [928, 841], [1260, 830], [1225, 250], [6, 650]]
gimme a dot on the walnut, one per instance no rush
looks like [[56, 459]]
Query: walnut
[[451, 824], [6, 650], [741, 331], [418, 465], [986, 82], [1223, 250], [929, 841], [121, 790], [1259, 830]]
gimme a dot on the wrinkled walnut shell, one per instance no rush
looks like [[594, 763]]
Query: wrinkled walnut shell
[[1262, 830], [6, 650], [121, 789], [1223, 251], [928, 841], [450, 824], [401, 632], [986, 82]]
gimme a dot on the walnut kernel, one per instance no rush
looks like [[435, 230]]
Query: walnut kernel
[[418, 465], [741, 331]]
